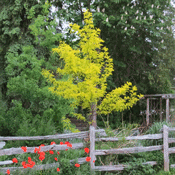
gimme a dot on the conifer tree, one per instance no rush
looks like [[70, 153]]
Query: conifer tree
[[27, 35]]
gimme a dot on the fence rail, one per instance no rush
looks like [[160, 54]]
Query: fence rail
[[143, 137], [37, 167], [91, 134], [128, 150], [165, 147], [12, 151], [84, 134], [119, 167]]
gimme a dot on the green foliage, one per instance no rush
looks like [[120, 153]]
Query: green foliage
[[154, 156], [162, 172], [26, 105], [155, 129], [43, 29], [25, 93], [3, 124], [39, 126], [14, 117], [135, 58], [65, 163], [114, 120], [137, 168], [27, 86], [133, 160]]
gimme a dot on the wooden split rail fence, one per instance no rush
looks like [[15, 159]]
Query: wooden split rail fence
[[164, 147], [93, 153], [13, 151]]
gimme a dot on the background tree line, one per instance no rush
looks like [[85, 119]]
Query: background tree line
[[29, 31]]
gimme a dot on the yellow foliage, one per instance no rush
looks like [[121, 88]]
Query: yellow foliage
[[88, 68], [79, 116], [113, 101], [67, 125]]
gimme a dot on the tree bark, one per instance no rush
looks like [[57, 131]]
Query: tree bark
[[93, 115]]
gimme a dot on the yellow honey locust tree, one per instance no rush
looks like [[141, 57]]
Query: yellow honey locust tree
[[85, 72]]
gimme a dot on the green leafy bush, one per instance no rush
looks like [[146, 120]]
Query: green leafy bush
[[137, 168], [39, 126], [155, 129]]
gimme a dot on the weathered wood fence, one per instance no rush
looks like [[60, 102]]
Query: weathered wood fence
[[164, 147], [93, 153], [13, 151], [167, 150]]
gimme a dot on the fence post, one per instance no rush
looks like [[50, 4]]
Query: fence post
[[167, 110], [147, 112], [160, 109], [92, 145], [165, 148]]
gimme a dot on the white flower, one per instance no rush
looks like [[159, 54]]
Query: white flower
[[134, 4], [131, 7], [145, 18], [142, 13], [103, 10], [106, 19], [131, 27], [137, 11], [162, 41], [126, 13], [125, 28], [151, 16], [157, 6], [98, 8], [114, 27], [152, 5], [123, 7], [122, 17], [126, 22], [137, 18], [127, 4], [161, 28]]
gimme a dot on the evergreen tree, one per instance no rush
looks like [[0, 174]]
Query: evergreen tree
[[27, 36]]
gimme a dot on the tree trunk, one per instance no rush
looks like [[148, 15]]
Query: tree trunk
[[93, 115]]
